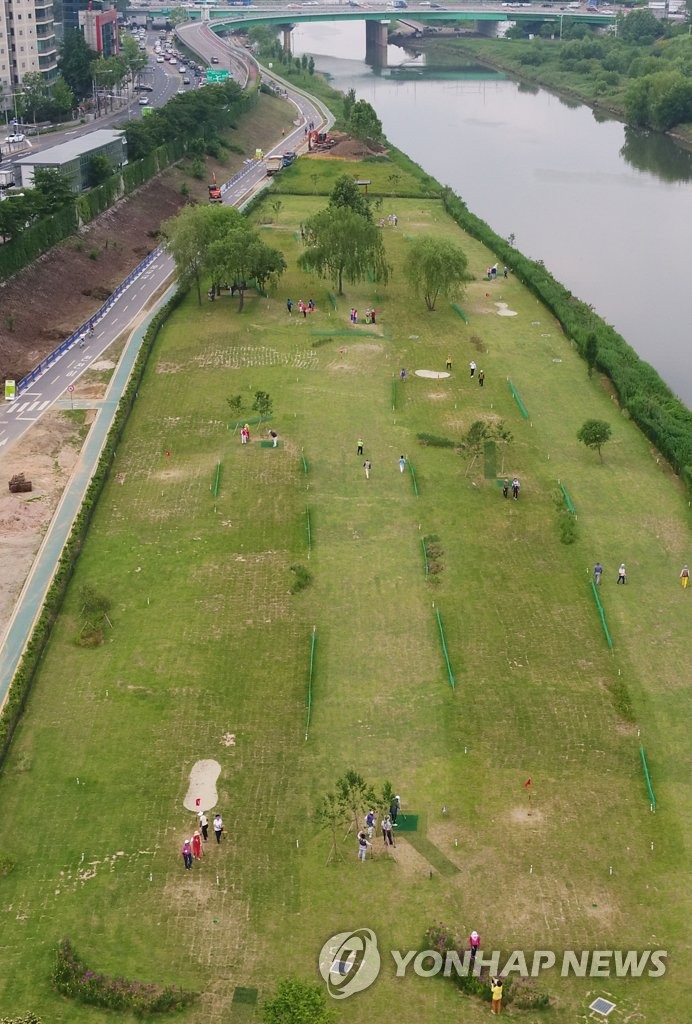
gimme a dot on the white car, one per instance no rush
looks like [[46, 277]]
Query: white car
[[143, 101], [17, 137], [159, 60]]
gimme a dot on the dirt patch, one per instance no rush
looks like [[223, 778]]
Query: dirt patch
[[347, 148], [46, 455], [74, 279], [526, 816]]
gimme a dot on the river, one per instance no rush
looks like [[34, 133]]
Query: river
[[608, 210]]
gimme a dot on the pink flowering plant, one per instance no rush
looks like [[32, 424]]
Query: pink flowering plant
[[73, 979]]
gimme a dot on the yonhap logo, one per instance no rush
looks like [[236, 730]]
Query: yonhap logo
[[350, 962]]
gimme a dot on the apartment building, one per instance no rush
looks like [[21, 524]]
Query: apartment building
[[27, 44]]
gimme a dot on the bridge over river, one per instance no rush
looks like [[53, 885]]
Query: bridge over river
[[378, 16]]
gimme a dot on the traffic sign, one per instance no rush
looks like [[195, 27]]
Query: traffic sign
[[70, 387], [213, 75]]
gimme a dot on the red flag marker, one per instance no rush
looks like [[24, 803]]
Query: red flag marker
[[197, 802], [527, 783]]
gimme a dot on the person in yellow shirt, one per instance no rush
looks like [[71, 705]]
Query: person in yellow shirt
[[496, 995]]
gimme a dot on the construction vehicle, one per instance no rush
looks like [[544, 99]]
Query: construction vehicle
[[273, 164], [288, 157], [215, 191], [320, 141]]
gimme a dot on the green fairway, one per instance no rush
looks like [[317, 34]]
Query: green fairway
[[209, 652]]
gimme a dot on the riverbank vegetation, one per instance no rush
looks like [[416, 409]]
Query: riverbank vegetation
[[643, 73]]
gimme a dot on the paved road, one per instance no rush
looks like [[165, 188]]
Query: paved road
[[51, 389]]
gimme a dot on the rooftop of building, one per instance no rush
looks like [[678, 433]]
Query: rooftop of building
[[66, 151]]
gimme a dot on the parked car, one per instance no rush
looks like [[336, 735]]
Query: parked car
[[17, 137], [159, 60], [186, 80], [143, 101]]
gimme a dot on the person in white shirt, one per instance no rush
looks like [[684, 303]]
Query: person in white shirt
[[218, 827]]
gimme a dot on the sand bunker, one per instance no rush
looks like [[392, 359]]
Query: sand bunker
[[504, 310], [201, 793], [432, 374]]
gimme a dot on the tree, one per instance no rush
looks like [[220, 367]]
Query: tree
[[75, 62], [594, 434], [54, 188], [342, 244], [641, 27], [356, 796], [349, 103], [434, 266], [99, 169], [177, 16], [311, 64], [591, 352], [241, 257], [297, 1002], [347, 194], [34, 99], [363, 122], [262, 404], [63, 97], [187, 238], [330, 813]]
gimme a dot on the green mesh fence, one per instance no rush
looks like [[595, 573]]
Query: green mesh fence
[[425, 558], [567, 498], [444, 650], [310, 680], [217, 480], [462, 314], [602, 614], [652, 798], [305, 463], [522, 408], [413, 477], [308, 529]]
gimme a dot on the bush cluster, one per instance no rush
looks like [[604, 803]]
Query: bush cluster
[[522, 993], [73, 979], [24, 676], [662, 417]]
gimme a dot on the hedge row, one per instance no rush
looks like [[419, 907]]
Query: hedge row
[[663, 418], [29, 664]]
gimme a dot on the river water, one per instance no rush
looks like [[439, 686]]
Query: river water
[[608, 210]]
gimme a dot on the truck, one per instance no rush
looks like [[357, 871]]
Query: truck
[[214, 191], [273, 164], [288, 157], [7, 177]]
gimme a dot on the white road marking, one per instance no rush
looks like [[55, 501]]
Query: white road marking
[[19, 408], [32, 407], [43, 405]]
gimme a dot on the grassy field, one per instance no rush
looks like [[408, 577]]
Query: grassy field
[[207, 640]]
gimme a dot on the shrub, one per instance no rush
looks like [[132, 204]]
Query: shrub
[[436, 442], [73, 979], [568, 528], [302, 579]]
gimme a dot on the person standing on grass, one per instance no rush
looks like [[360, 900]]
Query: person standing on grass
[[197, 846], [505, 489], [204, 825], [359, 450], [289, 306], [274, 436], [622, 574], [402, 464], [515, 489], [474, 943], [472, 368], [449, 362], [496, 995], [363, 845], [370, 823], [218, 827], [685, 577], [187, 854], [394, 808], [597, 573], [387, 833], [481, 377], [367, 466]]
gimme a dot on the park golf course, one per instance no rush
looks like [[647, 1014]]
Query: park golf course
[[206, 640]]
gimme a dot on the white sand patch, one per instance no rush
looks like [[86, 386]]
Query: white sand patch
[[103, 364], [201, 793], [504, 310], [432, 374]]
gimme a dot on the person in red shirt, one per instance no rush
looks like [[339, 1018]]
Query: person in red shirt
[[474, 943], [197, 846]]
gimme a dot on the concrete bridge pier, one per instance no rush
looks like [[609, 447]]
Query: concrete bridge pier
[[376, 43], [487, 28], [286, 34]]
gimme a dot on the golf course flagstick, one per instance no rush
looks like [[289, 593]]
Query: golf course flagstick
[[527, 787]]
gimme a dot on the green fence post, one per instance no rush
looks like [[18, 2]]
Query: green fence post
[[310, 674], [648, 780], [444, 649]]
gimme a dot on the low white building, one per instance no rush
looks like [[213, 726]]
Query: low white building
[[72, 158]]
